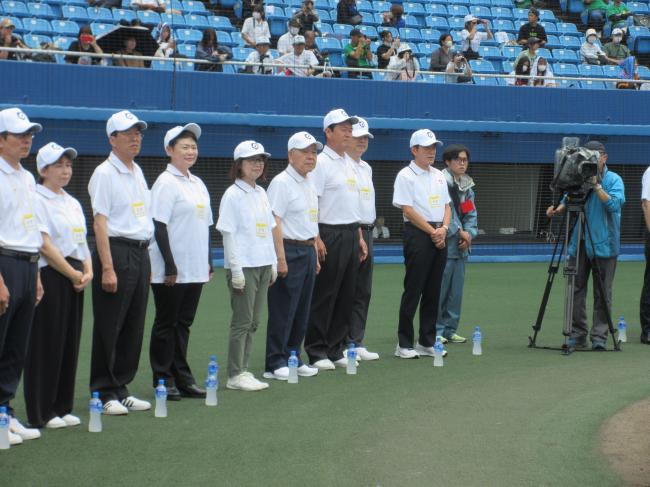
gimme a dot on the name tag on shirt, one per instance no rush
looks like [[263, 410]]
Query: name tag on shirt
[[434, 201], [29, 222], [261, 229], [352, 184], [200, 211], [313, 215], [139, 211], [78, 235], [365, 194]]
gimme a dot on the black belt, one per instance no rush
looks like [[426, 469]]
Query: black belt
[[433, 224], [367, 227], [17, 254], [304, 243], [347, 226], [141, 244]]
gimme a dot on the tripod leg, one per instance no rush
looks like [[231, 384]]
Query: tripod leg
[[570, 271]]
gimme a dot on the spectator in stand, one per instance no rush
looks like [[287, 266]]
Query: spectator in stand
[[616, 49], [299, 57], [472, 37], [307, 17], [129, 50], [255, 27], [262, 55], [164, 35], [591, 51], [380, 230], [169, 51], [394, 18], [531, 52], [441, 57], [285, 42], [404, 62], [532, 28], [209, 50], [154, 5], [458, 70], [358, 54], [542, 73], [9, 40], [619, 15], [310, 45], [522, 68], [597, 10], [387, 49], [105, 3], [85, 43], [347, 13]]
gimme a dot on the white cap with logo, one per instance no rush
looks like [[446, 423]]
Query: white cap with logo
[[124, 120], [299, 40], [337, 116], [14, 121], [360, 129], [263, 40], [302, 140], [51, 153], [179, 129], [424, 138], [249, 148]]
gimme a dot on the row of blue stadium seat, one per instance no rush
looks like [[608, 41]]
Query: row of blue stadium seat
[[21, 9]]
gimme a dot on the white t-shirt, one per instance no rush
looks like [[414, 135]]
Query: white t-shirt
[[256, 30], [245, 213], [183, 204], [474, 43], [123, 197], [293, 199], [19, 225], [285, 43], [269, 64], [366, 192], [62, 218], [645, 185], [425, 191], [336, 186], [307, 58]]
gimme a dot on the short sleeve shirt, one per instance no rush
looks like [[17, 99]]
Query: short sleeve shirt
[[183, 204], [645, 185], [366, 192], [474, 43], [256, 30], [307, 58], [268, 64], [424, 190]]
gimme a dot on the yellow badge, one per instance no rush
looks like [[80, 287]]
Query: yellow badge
[[29, 222], [434, 201], [139, 211], [200, 211], [313, 215], [365, 193], [352, 184], [78, 235], [260, 229]]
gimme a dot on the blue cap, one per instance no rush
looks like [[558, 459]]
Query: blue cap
[[95, 395], [161, 382]]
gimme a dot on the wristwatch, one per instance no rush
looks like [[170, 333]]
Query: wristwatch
[[445, 227]]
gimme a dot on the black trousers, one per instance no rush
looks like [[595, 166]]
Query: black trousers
[[289, 302], [331, 304], [362, 295], [16, 323], [425, 265], [645, 294], [175, 310], [119, 321], [51, 367]]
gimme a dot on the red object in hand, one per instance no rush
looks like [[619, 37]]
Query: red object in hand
[[87, 38], [467, 206]]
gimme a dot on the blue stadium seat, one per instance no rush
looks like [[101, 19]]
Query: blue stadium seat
[[570, 42], [480, 3], [552, 42], [392, 30], [176, 20], [639, 39], [369, 31], [98, 28], [502, 3], [502, 13], [125, 4], [63, 43], [16, 9], [644, 72], [567, 83], [455, 10], [241, 53], [328, 45], [455, 35], [187, 50], [565, 69], [322, 4], [461, 2], [456, 23], [410, 35], [612, 71], [123, 14], [511, 52], [148, 17], [276, 3], [218, 22], [427, 48], [547, 16], [223, 38], [74, 12], [491, 53], [439, 23], [566, 56], [334, 3], [41, 10], [194, 7], [342, 31], [325, 29], [591, 71], [34, 41], [504, 25], [365, 6], [502, 82], [593, 85], [228, 69], [65, 27], [193, 35], [196, 21], [324, 17], [369, 19], [435, 9], [162, 65], [237, 39], [412, 8], [413, 21], [542, 51], [433, 78], [549, 27], [37, 26], [176, 5], [185, 65], [430, 35], [507, 66], [481, 12], [96, 14], [566, 28], [484, 81], [520, 14], [482, 66]]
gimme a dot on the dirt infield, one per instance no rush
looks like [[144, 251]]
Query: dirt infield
[[625, 442]]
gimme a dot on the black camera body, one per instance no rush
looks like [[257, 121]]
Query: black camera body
[[574, 166]]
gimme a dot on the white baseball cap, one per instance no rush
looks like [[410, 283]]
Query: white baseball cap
[[424, 138], [263, 40], [299, 40], [14, 121], [302, 140], [124, 120], [51, 153], [403, 48], [590, 32], [360, 129], [617, 32], [249, 148], [469, 18], [179, 129], [337, 116]]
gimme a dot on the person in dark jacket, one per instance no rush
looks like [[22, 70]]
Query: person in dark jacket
[[347, 13], [209, 50]]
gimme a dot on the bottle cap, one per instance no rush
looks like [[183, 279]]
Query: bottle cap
[[213, 358], [477, 328], [95, 395], [293, 353], [161, 382], [3, 409], [351, 345]]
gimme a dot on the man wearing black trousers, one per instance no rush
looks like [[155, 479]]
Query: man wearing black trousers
[[645, 293], [123, 227], [20, 241], [340, 246], [421, 193]]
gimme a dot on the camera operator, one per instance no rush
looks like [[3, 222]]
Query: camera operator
[[387, 49], [645, 293], [599, 245], [358, 54], [458, 70], [260, 55], [404, 62], [472, 37]]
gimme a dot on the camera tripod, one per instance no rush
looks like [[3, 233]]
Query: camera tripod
[[574, 215]]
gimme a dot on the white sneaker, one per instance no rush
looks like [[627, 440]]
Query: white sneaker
[[56, 423], [20, 430], [245, 382], [280, 374], [343, 362], [306, 371], [324, 364], [364, 354], [114, 408], [428, 351], [14, 439], [132, 403], [71, 420], [406, 352]]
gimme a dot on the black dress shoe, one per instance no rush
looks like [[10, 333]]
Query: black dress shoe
[[173, 394], [191, 391]]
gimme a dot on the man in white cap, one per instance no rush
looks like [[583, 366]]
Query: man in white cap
[[359, 145], [300, 62], [340, 245], [123, 227], [20, 241], [421, 193], [471, 36], [616, 49], [260, 60], [294, 203]]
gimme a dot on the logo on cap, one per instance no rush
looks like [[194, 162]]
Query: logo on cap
[[307, 136], [362, 124], [20, 115], [128, 115], [255, 145], [429, 134], [53, 145]]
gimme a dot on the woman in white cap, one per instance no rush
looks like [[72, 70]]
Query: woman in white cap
[[246, 223], [403, 66], [180, 260], [66, 270], [472, 38]]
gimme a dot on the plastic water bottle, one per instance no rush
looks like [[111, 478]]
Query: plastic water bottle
[[438, 350], [161, 400], [95, 409], [352, 359], [622, 330], [212, 382], [293, 367], [4, 429], [477, 338]]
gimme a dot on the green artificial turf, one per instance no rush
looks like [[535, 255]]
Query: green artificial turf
[[512, 417]]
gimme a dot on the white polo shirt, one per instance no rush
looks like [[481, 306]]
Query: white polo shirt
[[62, 218], [424, 190], [475, 42], [293, 199], [645, 185], [256, 29], [245, 213], [307, 58], [336, 186], [123, 197], [183, 204], [366, 192], [19, 226]]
